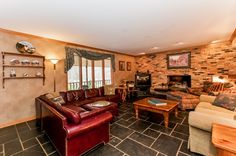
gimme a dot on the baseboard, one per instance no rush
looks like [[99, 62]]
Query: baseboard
[[17, 121]]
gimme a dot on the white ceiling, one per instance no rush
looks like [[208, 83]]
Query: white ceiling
[[128, 26]]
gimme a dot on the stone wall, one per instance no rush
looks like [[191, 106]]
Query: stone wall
[[213, 59]]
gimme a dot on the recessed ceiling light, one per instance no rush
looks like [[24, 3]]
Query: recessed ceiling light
[[215, 41], [142, 53], [178, 43], [155, 48]]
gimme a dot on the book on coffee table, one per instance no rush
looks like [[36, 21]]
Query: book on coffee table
[[157, 102]]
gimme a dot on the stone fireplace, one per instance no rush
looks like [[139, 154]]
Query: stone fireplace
[[179, 81]]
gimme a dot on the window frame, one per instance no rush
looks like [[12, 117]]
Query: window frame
[[93, 75]]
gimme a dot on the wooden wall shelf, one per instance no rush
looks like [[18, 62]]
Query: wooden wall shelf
[[29, 77], [22, 66], [6, 65]]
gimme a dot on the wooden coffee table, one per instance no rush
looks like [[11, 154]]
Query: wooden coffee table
[[165, 110]]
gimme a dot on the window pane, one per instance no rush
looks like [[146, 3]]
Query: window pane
[[86, 73], [98, 73], [107, 64], [73, 75]]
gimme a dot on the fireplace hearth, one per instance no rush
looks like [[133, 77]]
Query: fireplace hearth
[[179, 81]]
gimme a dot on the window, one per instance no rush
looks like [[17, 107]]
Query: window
[[89, 74], [107, 65], [86, 73], [98, 72], [74, 75]]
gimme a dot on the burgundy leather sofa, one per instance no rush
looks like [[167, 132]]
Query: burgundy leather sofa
[[84, 98], [77, 126]]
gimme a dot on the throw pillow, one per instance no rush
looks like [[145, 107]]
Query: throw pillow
[[58, 100], [55, 98], [109, 90], [227, 101]]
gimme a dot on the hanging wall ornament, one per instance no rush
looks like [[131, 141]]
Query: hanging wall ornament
[[25, 47]]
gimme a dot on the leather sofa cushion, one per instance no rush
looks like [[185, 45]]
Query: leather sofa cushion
[[112, 98], [101, 91], [75, 108], [98, 99], [75, 95], [80, 103], [71, 115], [90, 93], [63, 95]]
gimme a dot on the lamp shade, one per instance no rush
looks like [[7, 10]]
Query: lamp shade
[[54, 61]]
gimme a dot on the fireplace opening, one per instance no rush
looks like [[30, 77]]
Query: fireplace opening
[[179, 81]]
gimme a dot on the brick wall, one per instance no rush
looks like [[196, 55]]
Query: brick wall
[[213, 59]]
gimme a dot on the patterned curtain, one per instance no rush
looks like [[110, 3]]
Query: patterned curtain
[[69, 61]]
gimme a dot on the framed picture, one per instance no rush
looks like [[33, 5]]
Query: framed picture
[[128, 66], [179, 60], [121, 65]]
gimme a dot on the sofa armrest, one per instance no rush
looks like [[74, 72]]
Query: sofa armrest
[[207, 98], [88, 124], [204, 121]]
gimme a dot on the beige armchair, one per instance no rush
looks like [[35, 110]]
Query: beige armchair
[[200, 124]]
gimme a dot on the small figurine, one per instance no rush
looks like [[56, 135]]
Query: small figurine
[[12, 73], [26, 75], [35, 62], [25, 62], [14, 61], [38, 74]]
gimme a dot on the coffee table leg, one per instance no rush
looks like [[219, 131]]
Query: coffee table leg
[[166, 119], [176, 112], [136, 111]]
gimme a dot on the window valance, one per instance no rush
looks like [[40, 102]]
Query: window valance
[[69, 61]]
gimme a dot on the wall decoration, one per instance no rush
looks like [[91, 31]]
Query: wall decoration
[[128, 66], [35, 62], [121, 65], [12, 73], [179, 60], [14, 61], [25, 47]]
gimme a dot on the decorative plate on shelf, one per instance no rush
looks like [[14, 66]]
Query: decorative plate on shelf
[[25, 47]]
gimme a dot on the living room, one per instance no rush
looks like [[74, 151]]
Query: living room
[[186, 54]]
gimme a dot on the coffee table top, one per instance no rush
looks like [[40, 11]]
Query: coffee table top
[[144, 103]]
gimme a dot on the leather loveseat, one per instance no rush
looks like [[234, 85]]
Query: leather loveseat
[[76, 126]]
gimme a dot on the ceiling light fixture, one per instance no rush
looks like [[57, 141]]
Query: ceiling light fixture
[[142, 53], [215, 41], [155, 48], [178, 43]]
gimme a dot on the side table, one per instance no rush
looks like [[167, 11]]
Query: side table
[[224, 139]]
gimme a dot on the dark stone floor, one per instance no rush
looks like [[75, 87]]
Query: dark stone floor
[[129, 136]]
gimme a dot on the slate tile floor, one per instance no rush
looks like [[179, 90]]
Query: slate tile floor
[[129, 136]]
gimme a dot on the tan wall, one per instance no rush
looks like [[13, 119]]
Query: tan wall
[[17, 99], [214, 59]]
